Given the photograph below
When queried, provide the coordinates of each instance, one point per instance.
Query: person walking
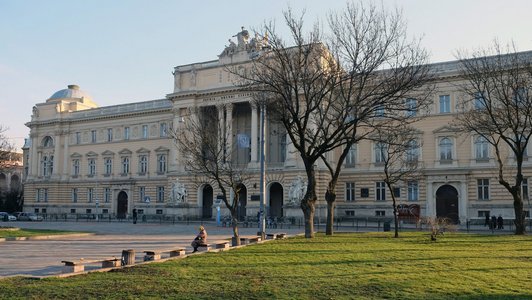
(487, 222)
(493, 224)
(135, 215)
(200, 240)
(500, 222)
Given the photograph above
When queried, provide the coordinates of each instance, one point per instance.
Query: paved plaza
(43, 257)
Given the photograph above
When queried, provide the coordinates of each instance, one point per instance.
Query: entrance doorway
(447, 203)
(276, 200)
(121, 208)
(242, 202)
(206, 212)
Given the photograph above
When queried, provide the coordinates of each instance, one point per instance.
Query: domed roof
(72, 91)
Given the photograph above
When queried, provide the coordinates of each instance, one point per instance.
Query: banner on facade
(243, 140)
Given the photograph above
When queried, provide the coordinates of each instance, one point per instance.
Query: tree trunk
(234, 223)
(395, 217)
(308, 211)
(520, 226)
(330, 197)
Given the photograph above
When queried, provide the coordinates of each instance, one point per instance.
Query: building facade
(83, 158)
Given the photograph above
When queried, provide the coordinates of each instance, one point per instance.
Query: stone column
(57, 149)
(173, 164)
(33, 163)
(65, 158)
(463, 201)
(430, 202)
(229, 128)
(254, 133)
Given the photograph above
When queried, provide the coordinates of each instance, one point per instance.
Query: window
(379, 111)
(349, 191)
(42, 195)
(350, 213)
(445, 104)
(78, 138)
(160, 194)
(412, 151)
(479, 101)
(380, 213)
(109, 134)
(90, 194)
(411, 107)
(93, 136)
(483, 187)
(524, 188)
(158, 211)
(446, 149)
(126, 133)
(75, 167)
(161, 163)
(413, 191)
(88, 211)
(483, 213)
(48, 142)
(143, 164)
(521, 96)
(74, 194)
(92, 166)
(142, 193)
(47, 165)
(105, 211)
(125, 165)
(380, 191)
(144, 131)
(397, 192)
(72, 210)
(481, 148)
(380, 152)
(163, 130)
(106, 195)
(108, 164)
(364, 193)
(350, 159)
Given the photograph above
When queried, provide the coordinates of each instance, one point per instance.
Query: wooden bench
(74, 266)
(280, 235)
(156, 254)
(222, 245)
(245, 240)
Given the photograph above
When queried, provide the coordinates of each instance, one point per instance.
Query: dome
(72, 91)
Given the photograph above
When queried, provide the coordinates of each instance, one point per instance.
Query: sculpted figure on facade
(297, 191)
(178, 193)
(229, 50)
(242, 38)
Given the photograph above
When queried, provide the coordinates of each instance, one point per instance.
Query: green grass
(345, 266)
(5, 233)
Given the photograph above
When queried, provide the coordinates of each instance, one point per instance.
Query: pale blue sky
(124, 51)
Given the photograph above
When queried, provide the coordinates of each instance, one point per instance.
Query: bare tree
(207, 155)
(329, 96)
(398, 150)
(6, 151)
(498, 109)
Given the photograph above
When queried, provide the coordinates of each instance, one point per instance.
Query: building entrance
(276, 200)
(206, 212)
(121, 207)
(447, 203)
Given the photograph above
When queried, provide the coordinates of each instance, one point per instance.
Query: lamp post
(262, 173)
(97, 204)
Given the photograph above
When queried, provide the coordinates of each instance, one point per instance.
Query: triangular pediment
(75, 155)
(91, 154)
(445, 129)
(162, 149)
(143, 150)
(125, 152)
(108, 153)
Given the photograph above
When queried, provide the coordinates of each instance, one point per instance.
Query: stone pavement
(43, 257)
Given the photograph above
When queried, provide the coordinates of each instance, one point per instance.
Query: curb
(44, 237)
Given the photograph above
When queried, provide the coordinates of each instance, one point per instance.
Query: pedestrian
(135, 215)
(200, 240)
(493, 224)
(487, 222)
(500, 222)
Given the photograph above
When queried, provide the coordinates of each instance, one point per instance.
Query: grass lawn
(345, 266)
(7, 232)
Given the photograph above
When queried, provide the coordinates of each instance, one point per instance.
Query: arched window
(47, 142)
(446, 149)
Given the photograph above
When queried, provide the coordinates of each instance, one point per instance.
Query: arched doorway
(276, 200)
(121, 207)
(206, 212)
(447, 203)
(15, 183)
(242, 202)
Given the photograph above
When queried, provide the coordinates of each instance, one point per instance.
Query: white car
(9, 216)
(26, 216)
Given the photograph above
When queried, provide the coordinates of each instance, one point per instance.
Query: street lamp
(97, 204)
(262, 172)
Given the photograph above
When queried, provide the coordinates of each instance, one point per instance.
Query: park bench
(271, 236)
(221, 245)
(74, 266)
(156, 254)
(245, 240)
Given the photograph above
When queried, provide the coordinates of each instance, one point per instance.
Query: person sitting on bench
(200, 240)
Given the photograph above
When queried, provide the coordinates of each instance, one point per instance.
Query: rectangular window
(364, 193)
(126, 133)
(413, 191)
(75, 167)
(161, 163)
(445, 104)
(108, 165)
(144, 131)
(125, 165)
(380, 150)
(379, 111)
(380, 191)
(143, 164)
(524, 187)
(350, 213)
(72, 210)
(483, 213)
(160, 194)
(350, 159)
(90, 194)
(88, 211)
(74, 195)
(92, 166)
(142, 193)
(483, 187)
(349, 191)
(109, 134)
(397, 192)
(479, 102)
(481, 148)
(93, 136)
(380, 213)
(411, 107)
(158, 211)
(78, 138)
(106, 195)
(163, 130)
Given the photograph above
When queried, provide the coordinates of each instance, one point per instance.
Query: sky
(124, 51)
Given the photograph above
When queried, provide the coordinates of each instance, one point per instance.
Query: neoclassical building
(85, 158)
